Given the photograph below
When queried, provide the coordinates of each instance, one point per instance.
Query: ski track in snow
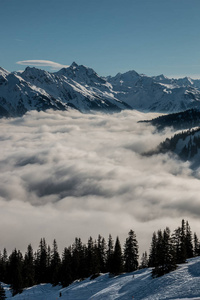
(182, 284)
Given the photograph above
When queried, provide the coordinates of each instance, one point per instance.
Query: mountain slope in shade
(182, 120)
(183, 283)
(185, 145)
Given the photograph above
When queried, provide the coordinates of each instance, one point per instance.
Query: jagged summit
(82, 88)
(81, 74)
(74, 65)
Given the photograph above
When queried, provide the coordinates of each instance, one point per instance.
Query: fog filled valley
(67, 175)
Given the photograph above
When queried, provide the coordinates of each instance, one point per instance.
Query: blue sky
(110, 36)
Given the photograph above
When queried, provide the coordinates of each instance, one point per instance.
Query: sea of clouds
(66, 175)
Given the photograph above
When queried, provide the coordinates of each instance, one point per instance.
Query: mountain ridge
(81, 88)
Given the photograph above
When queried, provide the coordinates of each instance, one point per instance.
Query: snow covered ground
(184, 284)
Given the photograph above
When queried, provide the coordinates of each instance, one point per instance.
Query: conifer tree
(90, 257)
(131, 252)
(152, 255)
(55, 264)
(4, 267)
(196, 245)
(66, 267)
(117, 261)
(28, 268)
(109, 254)
(183, 253)
(101, 252)
(15, 272)
(165, 254)
(188, 241)
(42, 262)
(78, 257)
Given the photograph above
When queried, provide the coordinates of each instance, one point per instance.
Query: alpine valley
(80, 88)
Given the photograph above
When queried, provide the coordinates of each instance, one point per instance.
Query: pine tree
(188, 241)
(29, 268)
(165, 254)
(178, 239)
(15, 272)
(183, 253)
(152, 255)
(117, 261)
(90, 257)
(196, 245)
(131, 253)
(78, 257)
(66, 267)
(41, 263)
(2, 293)
(55, 264)
(4, 277)
(101, 252)
(109, 254)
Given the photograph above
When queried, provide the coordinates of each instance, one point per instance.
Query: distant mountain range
(81, 88)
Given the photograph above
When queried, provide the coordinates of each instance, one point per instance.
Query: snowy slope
(77, 86)
(17, 96)
(83, 89)
(158, 94)
(183, 283)
(185, 145)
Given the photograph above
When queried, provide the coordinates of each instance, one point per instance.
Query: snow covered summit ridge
(81, 88)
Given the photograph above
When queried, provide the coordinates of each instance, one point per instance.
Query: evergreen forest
(79, 260)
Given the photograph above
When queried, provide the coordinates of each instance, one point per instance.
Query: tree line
(81, 260)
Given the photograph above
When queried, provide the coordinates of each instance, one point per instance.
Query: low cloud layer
(66, 174)
(42, 63)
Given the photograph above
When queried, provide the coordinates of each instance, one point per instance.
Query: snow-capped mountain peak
(3, 72)
(82, 88)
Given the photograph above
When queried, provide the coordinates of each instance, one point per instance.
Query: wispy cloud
(42, 63)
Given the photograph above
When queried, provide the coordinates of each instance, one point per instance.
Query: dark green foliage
(181, 120)
(41, 263)
(55, 265)
(66, 267)
(196, 245)
(28, 271)
(170, 144)
(165, 254)
(179, 242)
(152, 255)
(15, 272)
(188, 241)
(2, 293)
(109, 254)
(117, 260)
(4, 267)
(80, 261)
(131, 253)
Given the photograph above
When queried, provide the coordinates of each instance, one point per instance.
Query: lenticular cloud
(66, 174)
(42, 63)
